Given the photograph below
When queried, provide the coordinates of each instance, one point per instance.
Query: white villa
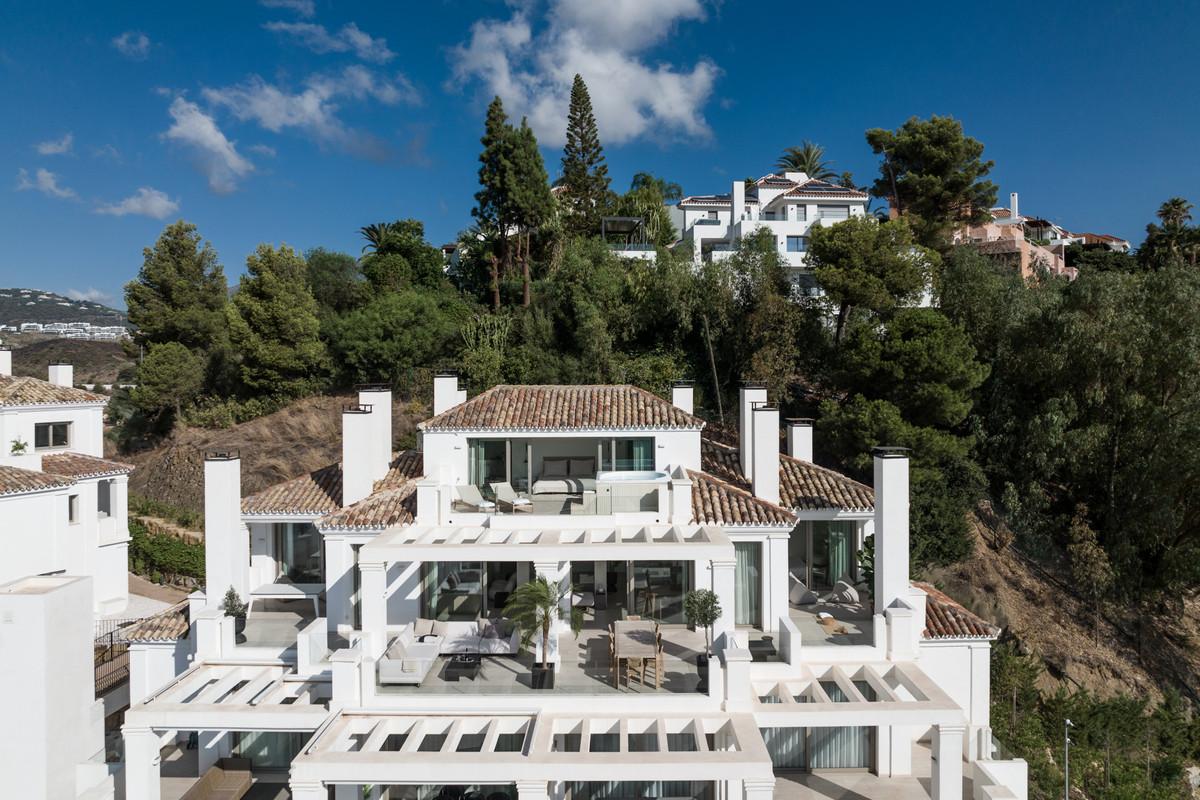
(788, 205)
(376, 660)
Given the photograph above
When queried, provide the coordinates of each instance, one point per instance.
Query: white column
(141, 764)
(208, 750)
(533, 790)
(306, 790)
(893, 750)
(748, 395)
(946, 770)
(681, 497)
(682, 396)
(800, 438)
(374, 606)
(775, 580)
(723, 587)
(347, 791)
(379, 398)
(6, 361)
(979, 712)
(339, 583)
(758, 788)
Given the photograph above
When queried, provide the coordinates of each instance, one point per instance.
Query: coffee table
(462, 665)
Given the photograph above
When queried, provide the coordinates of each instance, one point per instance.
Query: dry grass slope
(94, 362)
(302, 437)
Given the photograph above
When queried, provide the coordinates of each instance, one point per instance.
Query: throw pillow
(422, 627)
(440, 629)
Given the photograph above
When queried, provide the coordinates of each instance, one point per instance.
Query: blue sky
(299, 121)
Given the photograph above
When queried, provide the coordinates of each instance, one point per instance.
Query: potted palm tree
(702, 608)
(534, 607)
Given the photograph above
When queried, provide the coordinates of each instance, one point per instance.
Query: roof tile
(716, 502)
(803, 486)
(165, 626)
(14, 480)
(77, 465)
(320, 491)
(36, 392)
(947, 619)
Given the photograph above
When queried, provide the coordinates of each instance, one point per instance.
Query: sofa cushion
(440, 629)
(422, 626)
(397, 650)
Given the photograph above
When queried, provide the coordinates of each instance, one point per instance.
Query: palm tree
(535, 606)
(1175, 212)
(808, 158)
(668, 189)
(375, 233)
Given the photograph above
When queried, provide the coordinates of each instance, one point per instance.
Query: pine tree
(274, 328)
(584, 173)
(530, 201)
(492, 207)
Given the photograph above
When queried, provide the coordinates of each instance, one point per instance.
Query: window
(51, 434)
(104, 498)
(833, 212)
(73, 509)
(797, 244)
(298, 552)
(634, 454)
(488, 461)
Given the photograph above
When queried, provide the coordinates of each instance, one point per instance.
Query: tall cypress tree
(584, 173)
(492, 207)
(530, 200)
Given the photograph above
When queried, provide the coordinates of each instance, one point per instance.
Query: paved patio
(851, 625)
(178, 774)
(832, 785)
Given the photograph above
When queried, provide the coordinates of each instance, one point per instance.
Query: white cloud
(146, 202)
(45, 182)
(532, 70)
(90, 295)
(314, 110)
(349, 39)
(56, 147)
(107, 151)
(218, 158)
(304, 8)
(132, 44)
(262, 150)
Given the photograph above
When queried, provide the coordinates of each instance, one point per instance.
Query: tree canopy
(585, 178)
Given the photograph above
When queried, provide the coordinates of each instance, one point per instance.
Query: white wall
(87, 426)
(49, 724)
(962, 668)
(33, 533)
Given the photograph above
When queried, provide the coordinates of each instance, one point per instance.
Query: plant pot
(239, 629)
(702, 670)
(543, 677)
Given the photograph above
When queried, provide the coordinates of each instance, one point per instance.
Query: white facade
(381, 705)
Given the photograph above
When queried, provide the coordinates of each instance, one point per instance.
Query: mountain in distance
(34, 305)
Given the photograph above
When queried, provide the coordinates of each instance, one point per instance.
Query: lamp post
(1067, 759)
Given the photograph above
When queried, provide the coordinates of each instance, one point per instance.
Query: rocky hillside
(302, 437)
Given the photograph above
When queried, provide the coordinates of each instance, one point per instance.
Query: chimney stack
(446, 394)
(891, 526)
(738, 204)
(379, 397)
(62, 374)
(1013, 212)
(748, 395)
(765, 455)
(683, 396)
(800, 438)
(6, 361)
(358, 453)
(226, 544)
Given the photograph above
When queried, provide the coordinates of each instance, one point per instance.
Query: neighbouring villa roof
(803, 486)
(718, 502)
(320, 491)
(77, 465)
(36, 392)
(14, 480)
(810, 188)
(545, 408)
(945, 618)
(165, 626)
(382, 509)
(820, 189)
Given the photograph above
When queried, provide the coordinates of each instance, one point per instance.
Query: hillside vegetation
(32, 305)
(95, 362)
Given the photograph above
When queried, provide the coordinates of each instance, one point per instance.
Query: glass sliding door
(298, 552)
(833, 553)
(452, 590)
(840, 748)
(658, 589)
(488, 461)
(747, 584)
(788, 747)
(634, 454)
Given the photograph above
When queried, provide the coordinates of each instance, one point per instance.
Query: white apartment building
(63, 507)
(787, 204)
(376, 659)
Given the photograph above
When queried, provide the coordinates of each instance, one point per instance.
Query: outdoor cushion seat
(801, 595)
(843, 593)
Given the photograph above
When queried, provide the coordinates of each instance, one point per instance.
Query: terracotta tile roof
(619, 407)
(947, 619)
(380, 510)
(320, 491)
(35, 392)
(14, 480)
(803, 486)
(165, 626)
(716, 502)
(77, 465)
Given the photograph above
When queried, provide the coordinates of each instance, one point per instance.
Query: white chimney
(446, 394)
(891, 526)
(379, 397)
(62, 375)
(358, 453)
(798, 177)
(6, 361)
(1013, 212)
(800, 438)
(765, 483)
(226, 543)
(683, 396)
(738, 197)
(748, 395)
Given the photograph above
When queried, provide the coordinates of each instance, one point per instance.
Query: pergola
(531, 750)
(217, 698)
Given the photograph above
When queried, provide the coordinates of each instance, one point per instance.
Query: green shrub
(147, 507)
(163, 556)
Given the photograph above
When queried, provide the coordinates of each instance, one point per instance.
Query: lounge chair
(509, 500)
(470, 496)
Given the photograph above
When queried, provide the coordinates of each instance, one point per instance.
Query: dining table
(634, 639)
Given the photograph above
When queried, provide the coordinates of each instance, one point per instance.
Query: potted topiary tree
(534, 607)
(234, 607)
(702, 608)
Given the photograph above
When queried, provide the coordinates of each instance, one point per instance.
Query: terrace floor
(847, 625)
(584, 668)
(178, 774)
